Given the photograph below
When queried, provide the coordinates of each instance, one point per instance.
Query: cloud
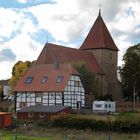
(24, 30)
(24, 47)
(7, 55)
(5, 69)
(22, 1)
(11, 21)
(65, 24)
(16, 28)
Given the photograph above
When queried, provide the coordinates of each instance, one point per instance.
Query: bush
(83, 123)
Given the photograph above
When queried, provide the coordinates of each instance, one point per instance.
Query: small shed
(40, 112)
(5, 120)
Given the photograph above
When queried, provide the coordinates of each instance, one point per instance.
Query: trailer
(104, 107)
(5, 120)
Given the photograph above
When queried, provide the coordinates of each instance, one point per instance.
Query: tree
(18, 70)
(130, 71)
(1, 92)
(106, 97)
(87, 78)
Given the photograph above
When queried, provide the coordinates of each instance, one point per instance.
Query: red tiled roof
(99, 37)
(38, 71)
(52, 53)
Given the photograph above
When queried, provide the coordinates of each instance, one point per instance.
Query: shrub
(83, 123)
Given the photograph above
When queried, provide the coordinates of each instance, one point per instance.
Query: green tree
(130, 71)
(87, 78)
(18, 70)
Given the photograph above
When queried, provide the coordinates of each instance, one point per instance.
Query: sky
(27, 25)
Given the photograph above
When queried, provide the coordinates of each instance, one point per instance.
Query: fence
(127, 106)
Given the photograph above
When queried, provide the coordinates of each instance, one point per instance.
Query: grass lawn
(9, 136)
(57, 134)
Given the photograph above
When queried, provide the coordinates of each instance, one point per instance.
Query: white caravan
(104, 107)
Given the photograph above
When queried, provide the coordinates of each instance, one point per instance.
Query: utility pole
(65, 135)
(134, 92)
(15, 132)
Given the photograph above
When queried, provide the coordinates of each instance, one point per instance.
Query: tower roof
(99, 37)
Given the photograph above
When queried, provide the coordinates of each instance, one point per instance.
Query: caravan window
(98, 105)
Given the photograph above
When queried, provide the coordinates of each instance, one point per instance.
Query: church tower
(100, 43)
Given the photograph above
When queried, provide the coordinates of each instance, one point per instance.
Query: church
(53, 81)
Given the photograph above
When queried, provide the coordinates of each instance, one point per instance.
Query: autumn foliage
(17, 72)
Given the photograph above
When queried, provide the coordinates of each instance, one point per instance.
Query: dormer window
(44, 79)
(59, 79)
(29, 80)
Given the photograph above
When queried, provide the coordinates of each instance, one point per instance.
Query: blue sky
(26, 25)
(23, 3)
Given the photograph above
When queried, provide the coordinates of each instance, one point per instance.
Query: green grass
(9, 136)
(74, 135)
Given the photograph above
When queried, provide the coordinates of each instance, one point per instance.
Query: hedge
(77, 122)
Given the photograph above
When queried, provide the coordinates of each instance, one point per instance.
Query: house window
(38, 104)
(30, 115)
(59, 79)
(39, 94)
(29, 80)
(76, 83)
(44, 79)
(58, 104)
(41, 115)
(22, 104)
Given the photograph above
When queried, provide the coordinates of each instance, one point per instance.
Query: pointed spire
(99, 12)
(99, 37)
(100, 7)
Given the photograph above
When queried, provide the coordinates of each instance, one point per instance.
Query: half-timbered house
(50, 85)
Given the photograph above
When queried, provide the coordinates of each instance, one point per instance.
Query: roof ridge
(65, 47)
